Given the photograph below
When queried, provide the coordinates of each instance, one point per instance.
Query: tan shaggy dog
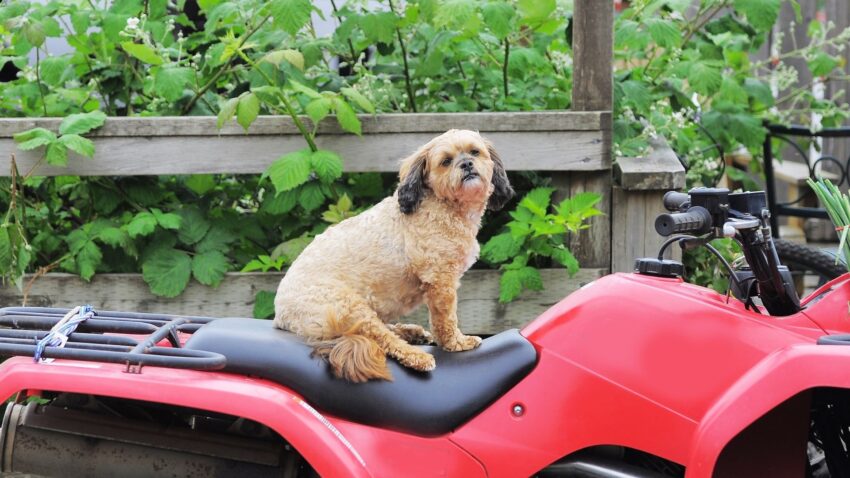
(358, 276)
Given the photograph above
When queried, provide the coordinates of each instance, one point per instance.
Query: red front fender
(773, 381)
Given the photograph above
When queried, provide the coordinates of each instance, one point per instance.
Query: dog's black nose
(466, 164)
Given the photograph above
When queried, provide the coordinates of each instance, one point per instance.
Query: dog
(345, 290)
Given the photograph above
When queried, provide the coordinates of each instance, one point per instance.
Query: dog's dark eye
(474, 152)
(446, 162)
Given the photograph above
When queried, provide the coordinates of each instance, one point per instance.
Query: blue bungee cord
(58, 335)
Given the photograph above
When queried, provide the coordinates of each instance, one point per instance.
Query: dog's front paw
(419, 360)
(462, 343)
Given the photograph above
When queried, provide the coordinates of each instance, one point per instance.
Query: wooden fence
(573, 146)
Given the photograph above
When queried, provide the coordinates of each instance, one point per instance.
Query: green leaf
(280, 203)
(114, 236)
(498, 16)
(290, 170)
(228, 109)
(500, 248)
(78, 144)
(142, 224)
(761, 14)
(33, 138)
(346, 116)
(247, 111)
(663, 32)
(759, 91)
(33, 32)
(293, 57)
(537, 200)
(566, 258)
(167, 271)
(302, 88)
(636, 93)
(536, 10)
(167, 220)
(53, 69)
(57, 154)
(142, 52)
(358, 99)
(731, 91)
(264, 304)
(200, 184)
(822, 64)
(291, 15)
(82, 123)
(87, 259)
(217, 239)
(311, 196)
(379, 27)
(291, 249)
(209, 268)
(193, 225)
(510, 286)
(318, 109)
(704, 79)
(327, 165)
(169, 81)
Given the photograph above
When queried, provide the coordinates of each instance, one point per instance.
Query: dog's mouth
(470, 175)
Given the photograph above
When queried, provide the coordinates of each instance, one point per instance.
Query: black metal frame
(22, 327)
(785, 133)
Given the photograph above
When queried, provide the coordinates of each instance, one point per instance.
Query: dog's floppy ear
(411, 188)
(502, 190)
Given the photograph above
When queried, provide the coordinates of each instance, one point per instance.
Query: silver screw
(518, 410)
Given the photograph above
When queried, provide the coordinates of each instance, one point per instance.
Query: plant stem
(38, 80)
(505, 67)
(286, 104)
(410, 99)
(350, 45)
(223, 68)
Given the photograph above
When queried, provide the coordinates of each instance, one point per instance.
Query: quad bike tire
(812, 259)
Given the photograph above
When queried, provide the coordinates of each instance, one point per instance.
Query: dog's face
(459, 166)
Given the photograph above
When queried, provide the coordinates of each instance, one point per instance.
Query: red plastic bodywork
(653, 364)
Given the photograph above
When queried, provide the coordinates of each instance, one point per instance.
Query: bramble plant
(535, 233)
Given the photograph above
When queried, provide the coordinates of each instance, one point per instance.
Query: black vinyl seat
(427, 404)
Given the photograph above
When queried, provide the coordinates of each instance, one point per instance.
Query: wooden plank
(660, 170)
(479, 310)
(593, 47)
(377, 124)
(592, 246)
(152, 155)
(633, 228)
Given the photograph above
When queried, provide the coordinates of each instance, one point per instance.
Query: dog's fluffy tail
(352, 356)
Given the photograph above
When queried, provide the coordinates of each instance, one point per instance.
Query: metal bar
(196, 359)
(75, 337)
(797, 130)
(808, 212)
(166, 331)
(770, 186)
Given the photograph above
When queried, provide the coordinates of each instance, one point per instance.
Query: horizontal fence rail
(479, 310)
(540, 141)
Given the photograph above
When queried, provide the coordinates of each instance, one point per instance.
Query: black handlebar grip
(673, 200)
(696, 220)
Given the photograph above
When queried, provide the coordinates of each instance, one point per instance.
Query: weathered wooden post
(640, 186)
(593, 50)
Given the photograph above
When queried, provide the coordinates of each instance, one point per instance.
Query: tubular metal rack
(22, 327)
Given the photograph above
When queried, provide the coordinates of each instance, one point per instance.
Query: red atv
(635, 375)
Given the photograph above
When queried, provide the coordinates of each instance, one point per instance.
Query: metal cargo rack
(109, 336)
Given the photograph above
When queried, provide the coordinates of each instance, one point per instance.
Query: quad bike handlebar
(705, 214)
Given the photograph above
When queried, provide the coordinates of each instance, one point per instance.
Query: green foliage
(536, 233)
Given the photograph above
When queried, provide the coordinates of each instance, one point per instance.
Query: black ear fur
(502, 190)
(412, 190)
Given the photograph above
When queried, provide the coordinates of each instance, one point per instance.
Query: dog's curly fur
(412, 247)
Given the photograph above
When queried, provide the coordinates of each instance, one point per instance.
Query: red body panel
(653, 364)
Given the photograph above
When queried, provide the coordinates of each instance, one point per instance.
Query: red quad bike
(635, 375)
